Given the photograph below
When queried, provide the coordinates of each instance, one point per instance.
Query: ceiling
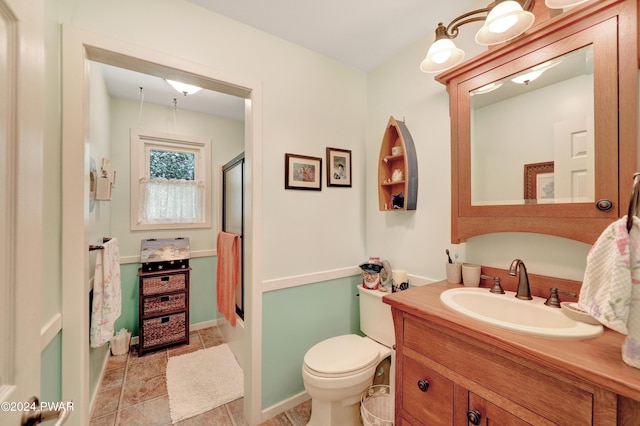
(123, 83)
(359, 33)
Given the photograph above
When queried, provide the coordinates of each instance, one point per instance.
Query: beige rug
(203, 380)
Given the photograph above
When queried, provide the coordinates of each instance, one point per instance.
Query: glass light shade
(536, 71)
(527, 77)
(185, 89)
(442, 54)
(505, 21)
(487, 88)
(559, 4)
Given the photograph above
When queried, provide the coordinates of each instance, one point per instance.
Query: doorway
(79, 47)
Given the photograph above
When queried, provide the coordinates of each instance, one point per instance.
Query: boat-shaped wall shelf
(397, 169)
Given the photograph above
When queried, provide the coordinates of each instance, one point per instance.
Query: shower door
(233, 214)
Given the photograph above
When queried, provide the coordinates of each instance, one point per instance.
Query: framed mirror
(540, 140)
(532, 134)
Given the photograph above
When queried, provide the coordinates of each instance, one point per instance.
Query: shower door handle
(39, 413)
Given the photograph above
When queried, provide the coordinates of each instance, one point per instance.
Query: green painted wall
(202, 297)
(51, 370)
(295, 319)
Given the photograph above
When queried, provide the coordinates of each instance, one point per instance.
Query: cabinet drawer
(509, 376)
(163, 283)
(164, 303)
(433, 406)
(164, 330)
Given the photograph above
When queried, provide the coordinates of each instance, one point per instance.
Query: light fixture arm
(451, 31)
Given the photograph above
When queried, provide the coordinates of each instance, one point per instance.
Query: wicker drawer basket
(164, 330)
(165, 303)
(163, 284)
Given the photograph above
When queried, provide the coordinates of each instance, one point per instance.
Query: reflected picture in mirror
(543, 114)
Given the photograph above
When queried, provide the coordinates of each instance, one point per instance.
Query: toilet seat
(341, 356)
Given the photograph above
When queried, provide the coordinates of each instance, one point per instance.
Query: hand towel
(228, 274)
(611, 287)
(107, 299)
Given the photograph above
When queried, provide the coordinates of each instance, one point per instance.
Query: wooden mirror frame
(606, 24)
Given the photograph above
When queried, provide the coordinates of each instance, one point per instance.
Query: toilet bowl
(338, 370)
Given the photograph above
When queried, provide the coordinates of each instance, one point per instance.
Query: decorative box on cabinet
(163, 309)
(397, 169)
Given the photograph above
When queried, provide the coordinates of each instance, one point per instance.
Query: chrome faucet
(523, 280)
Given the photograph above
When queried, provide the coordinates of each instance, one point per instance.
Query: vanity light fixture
(487, 88)
(503, 21)
(535, 72)
(560, 4)
(185, 89)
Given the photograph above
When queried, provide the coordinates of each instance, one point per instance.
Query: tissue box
(164, 254)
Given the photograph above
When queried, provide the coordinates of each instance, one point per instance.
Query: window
(170, 181)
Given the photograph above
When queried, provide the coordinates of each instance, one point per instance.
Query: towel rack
(94, 247)
(634, 201)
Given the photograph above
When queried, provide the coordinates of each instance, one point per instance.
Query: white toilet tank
(375, 317)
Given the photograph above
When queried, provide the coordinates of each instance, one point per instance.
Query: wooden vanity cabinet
(443, 377)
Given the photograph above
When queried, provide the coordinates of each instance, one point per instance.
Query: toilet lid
(342, 354)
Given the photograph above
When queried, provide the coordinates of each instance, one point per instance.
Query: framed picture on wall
(539, 183)
(302, 172)
(338, 167)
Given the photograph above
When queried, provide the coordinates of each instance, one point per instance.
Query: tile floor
(134, 392)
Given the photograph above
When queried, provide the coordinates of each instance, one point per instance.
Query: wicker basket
(163, 284)
(171, 302)
(164, 330)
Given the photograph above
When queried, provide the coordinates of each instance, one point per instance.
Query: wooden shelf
(397, 137)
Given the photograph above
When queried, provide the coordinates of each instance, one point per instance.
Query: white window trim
(141, 140)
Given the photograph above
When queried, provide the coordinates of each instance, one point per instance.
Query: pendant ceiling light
(185, 89)
(503, 21)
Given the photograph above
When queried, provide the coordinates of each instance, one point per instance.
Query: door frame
(79, 47)
(22, 130)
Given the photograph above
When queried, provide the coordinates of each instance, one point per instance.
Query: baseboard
(94, 398)
(287, 404)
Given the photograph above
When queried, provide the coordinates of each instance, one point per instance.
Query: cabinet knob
(423, 385)
(604, 205)
(474, 417)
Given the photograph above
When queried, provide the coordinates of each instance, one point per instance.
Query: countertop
(597, 360)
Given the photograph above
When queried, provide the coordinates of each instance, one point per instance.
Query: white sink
(531, 317)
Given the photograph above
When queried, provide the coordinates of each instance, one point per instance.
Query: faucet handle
(553, 300)
(497, 287)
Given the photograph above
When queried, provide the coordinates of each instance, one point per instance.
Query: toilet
(337, 371)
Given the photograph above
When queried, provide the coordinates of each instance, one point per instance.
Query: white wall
(309, 103)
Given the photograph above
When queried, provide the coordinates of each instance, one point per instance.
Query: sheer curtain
(170, 201)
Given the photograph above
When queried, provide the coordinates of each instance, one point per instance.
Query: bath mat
(203, 380)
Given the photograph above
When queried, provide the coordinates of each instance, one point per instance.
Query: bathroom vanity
(451, 370)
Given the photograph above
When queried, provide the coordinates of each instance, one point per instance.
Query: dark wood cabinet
(163, 309)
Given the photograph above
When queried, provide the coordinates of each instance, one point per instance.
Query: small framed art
(538, 183)
(338, 167)
(302, 172)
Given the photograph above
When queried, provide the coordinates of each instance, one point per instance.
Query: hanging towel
(611, 288)
(107, 299)
(228, 274)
